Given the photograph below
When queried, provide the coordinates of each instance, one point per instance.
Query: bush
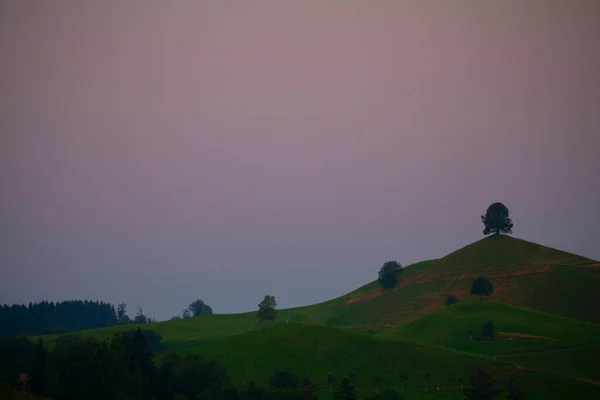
(452, 299)
(488, 330)
(282, 379)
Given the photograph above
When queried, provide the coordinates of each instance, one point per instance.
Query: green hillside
(406, 337)
(518, 328)
(523, 274)
(317, 351)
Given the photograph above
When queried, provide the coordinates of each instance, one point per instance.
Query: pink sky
(155, 152)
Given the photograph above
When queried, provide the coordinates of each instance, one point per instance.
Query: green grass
(316, 351)
(413, 333)
(523, 273)
(452, 326)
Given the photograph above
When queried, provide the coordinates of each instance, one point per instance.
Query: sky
(156, 152)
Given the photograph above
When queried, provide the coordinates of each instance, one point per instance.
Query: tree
(283, 379)
(481, 387)
(186, 314)
(140, 318)
(38, 375)
(488, 330)
(389, 394)
(388, 274)
(514, 390)
(481, 287)
(345, 391)
(267, 309)
(496, 220)
(331, 381)
(309, 389)
(199, 307)
(121, 311)
(451, 299)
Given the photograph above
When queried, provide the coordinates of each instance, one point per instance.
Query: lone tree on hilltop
(267, 309)
(496, 220)
(388, 274)
(199, 307)
(481, 287)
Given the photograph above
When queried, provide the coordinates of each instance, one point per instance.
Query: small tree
(388, 274)
(452, 299)
(267, 310)
(331, 381)
(186, 314)
(121, 312)
(481, 387)
(283, 379)
(481, 287)
(345, 391)
(488, 330)
(514, 390)
(140, 318)
(496, 220)
(309, 389)
(199, 307)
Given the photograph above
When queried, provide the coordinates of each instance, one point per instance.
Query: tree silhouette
(514, 390)
(267, 309)
(345, 391)
(481, 287)
(199, 307)
(388, 274)
(481, 387)
(496, 220)
(488, 330)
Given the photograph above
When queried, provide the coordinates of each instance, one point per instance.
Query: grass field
(520, 330)
(406, 337)
(317, 351)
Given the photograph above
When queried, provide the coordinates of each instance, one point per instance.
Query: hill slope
(523, 274)
(317, 351)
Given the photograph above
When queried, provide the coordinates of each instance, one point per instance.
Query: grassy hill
(518, 328)
(532, 339)
(523, 274)
(417, 369)
(542, 300)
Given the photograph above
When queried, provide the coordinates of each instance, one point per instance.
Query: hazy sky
(155, 152)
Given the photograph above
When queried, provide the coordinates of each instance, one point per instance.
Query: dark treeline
(123, 367)
(50, 317)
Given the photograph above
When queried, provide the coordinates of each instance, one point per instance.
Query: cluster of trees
(195, 309)
(50, 317)
(483, 387)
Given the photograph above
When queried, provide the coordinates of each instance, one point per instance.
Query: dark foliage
(496, 220)
(267, 310)
(481, 387)
(514, 390)
(389, 394)
(199, 307)
(345, 390)
(481, 287)
(283, 379)
(452, 299)
(488, 330)
(388, 274)
(50, 317)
